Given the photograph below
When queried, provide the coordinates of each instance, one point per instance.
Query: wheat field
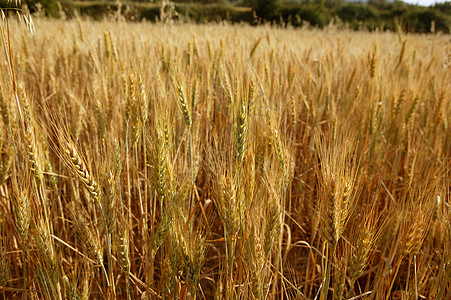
(217, 161)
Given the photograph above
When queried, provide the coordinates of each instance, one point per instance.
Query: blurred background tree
(267, 9)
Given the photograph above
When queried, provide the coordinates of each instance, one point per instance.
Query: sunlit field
(180, 161)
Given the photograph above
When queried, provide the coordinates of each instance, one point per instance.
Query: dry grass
(200, 161)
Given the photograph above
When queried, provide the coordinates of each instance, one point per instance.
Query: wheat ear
(79, 168)
(183, 103)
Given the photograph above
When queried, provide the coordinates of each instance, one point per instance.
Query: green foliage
(421, 20)
(359, 12)
(358, 15)
(444, 8)
(314, 14)
(202, 13)
(267, 9)
(48, 7)
(366, 16)
(376, 14)
(215, 2)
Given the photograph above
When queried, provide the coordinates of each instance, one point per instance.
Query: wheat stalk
(87, 237)
(109, 202)
(4, 264)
